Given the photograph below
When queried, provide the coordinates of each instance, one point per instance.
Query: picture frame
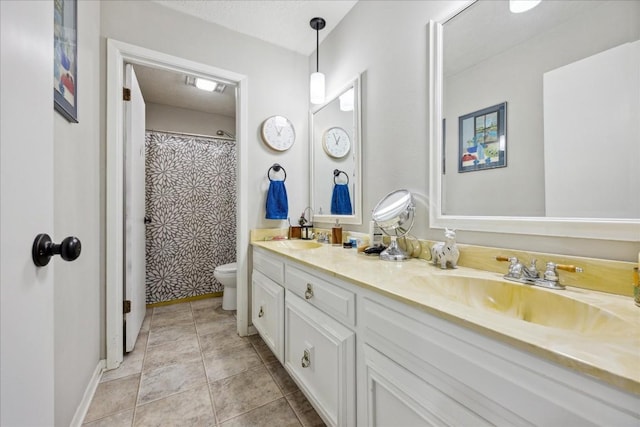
(65, 62)
(483, 139)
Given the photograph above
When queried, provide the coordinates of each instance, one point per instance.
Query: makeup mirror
(394, 214)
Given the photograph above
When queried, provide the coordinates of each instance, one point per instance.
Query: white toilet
(226, 275)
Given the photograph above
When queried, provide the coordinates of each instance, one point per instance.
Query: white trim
(117, 54)
(587, 228)
(89, 392)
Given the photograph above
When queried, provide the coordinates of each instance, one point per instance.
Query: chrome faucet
(531, 276)
(323, 237)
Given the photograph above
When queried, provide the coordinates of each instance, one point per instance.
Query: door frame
(119, 53)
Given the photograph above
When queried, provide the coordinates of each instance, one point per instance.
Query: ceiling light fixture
(205, 84)
(316, 81)
(519, 6)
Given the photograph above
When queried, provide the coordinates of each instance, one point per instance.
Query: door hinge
(126, 94)
(126, 306)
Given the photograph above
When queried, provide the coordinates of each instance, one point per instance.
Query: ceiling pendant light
(316, 81)
(519, 6)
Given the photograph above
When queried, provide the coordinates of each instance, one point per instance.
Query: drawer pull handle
(306, 359)
(261, 312)
(309, 293)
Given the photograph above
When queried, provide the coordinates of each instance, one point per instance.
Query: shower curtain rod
(192, 134)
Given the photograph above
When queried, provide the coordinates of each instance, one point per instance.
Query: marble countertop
(605, 345)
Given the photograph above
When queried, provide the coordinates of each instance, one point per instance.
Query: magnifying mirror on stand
(394, 214)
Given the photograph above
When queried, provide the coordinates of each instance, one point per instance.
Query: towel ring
(336, 173)
(277, 168)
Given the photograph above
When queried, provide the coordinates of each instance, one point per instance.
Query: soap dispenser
(336, 234)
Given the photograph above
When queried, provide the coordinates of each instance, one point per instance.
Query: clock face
(336, 142)
(278, 133)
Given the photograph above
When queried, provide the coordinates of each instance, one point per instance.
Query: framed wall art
(65, 62)
(483, 139)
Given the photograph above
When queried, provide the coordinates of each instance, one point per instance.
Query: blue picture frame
(483, 139)
(65, 59)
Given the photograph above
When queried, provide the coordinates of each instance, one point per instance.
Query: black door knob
(43, 249)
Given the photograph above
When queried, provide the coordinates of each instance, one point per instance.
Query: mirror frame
(356, 218)
(589, 228)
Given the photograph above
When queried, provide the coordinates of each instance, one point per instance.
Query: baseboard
(83, 407)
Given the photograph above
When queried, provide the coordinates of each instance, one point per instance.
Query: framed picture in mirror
(482, 139)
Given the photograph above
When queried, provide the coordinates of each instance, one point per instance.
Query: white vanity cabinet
(267, 312)
(366, 359)
(320, 356)
(427, 371)
(307, 321)
(267, 301)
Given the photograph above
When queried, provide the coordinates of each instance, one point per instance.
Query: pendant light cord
(317, 50)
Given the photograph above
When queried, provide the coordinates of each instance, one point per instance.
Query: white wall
(592, 127)
(277, 84)
(174, 119)
(78, 211)
(388, 42)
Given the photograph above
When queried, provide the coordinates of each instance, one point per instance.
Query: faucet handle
(551, 273)
(570, 268)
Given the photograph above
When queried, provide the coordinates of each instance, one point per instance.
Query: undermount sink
(295, 244)
(524, 302)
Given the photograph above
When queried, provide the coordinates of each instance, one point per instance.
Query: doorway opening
(118, 54)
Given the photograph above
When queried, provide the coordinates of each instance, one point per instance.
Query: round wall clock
(336, 142)
(278, 133)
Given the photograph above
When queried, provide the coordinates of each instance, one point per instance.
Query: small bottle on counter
(336, 234)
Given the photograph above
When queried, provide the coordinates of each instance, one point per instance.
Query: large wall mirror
(535, 119)
(336, 157)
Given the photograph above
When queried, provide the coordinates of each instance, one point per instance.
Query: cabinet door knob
(43, 249)
(261, 312)
(306, 358)
(309, 292)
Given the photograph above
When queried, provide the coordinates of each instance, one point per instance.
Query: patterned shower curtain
(191, 201)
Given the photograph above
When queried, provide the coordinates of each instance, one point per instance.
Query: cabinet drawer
(271, 267)
(330, 298)
(320, 356)
(267, 312)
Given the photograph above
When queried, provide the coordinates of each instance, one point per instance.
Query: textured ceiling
(283, 22)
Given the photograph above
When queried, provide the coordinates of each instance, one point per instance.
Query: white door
(26, 209)
(134, 255)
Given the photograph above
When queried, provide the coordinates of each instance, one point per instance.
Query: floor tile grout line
(204, 366)
(282, 389)
(144, 357)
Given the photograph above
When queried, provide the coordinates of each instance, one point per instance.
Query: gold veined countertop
(592, 332)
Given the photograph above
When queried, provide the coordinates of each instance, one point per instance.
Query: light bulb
(207, 85)
(346, 101)
(316, 88)
(519, 6)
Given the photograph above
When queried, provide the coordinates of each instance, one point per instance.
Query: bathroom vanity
(379, 343)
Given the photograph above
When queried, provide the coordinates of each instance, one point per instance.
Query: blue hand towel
(277, 203)
(340, 200)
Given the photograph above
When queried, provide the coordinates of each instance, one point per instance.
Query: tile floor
(190, 368)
